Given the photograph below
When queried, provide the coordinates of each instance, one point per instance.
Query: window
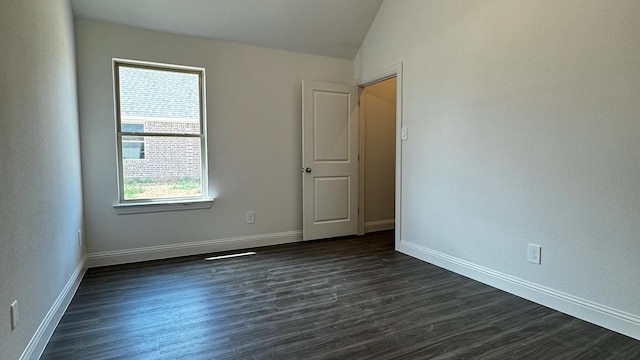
(161, 132)
(133, 146)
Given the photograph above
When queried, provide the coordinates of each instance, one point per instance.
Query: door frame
(394, 70)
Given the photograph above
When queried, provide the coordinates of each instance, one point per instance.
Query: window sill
(150, 207)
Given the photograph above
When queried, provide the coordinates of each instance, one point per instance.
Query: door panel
(331, 123)
(330, 158)
(331, 197)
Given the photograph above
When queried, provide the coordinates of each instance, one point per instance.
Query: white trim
(161, 206)
(115, 257)
(144, 119)
(361, 170)
(379, 225)
(383, 74)
(158, 64)
(42, 335)
(605, 316)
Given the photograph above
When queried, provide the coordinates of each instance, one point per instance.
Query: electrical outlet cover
(251, 217)
(533, 253)
(14, 315)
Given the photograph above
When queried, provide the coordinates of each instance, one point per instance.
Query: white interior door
(329, 159)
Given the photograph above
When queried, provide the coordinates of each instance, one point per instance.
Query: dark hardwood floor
(350, 298)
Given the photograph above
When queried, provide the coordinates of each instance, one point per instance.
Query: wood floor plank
(348, 298)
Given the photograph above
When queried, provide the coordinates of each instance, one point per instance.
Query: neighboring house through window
(132, 146)
(161, 133)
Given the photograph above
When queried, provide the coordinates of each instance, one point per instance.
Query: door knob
(308, 170)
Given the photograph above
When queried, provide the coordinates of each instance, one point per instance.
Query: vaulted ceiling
(334, 28)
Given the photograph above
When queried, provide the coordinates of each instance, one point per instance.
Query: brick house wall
(167, 159)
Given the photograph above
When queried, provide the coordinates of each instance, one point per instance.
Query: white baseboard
(39, 341)
(379, 225)
(192, 248)
(607, 317)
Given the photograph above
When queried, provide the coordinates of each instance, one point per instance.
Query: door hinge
(358, 157)
(358, 102)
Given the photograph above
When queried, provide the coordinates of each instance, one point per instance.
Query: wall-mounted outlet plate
(80, 238)
(533, 253)
(14, 315)
(251, 217)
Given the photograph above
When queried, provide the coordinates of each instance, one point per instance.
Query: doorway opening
(391, 72)
(334, 148)
(378, 109)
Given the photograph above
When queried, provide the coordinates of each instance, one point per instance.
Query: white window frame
(125, 206)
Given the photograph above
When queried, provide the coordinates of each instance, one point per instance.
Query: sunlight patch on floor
(230, 255)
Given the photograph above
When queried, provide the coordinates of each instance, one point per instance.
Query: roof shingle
(158, 93)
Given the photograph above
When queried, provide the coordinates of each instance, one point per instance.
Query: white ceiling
(334, 28)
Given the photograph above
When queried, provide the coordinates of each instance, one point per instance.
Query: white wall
(523, 128)
(254, 117)
(40, 184)
(379, 105)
